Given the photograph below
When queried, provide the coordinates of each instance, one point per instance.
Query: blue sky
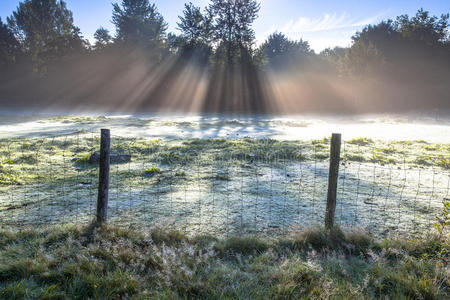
(322, 23)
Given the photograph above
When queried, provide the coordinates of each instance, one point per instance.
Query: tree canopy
(403, 42)
(196, 32)
(423, 28)
(232, 23)
(215, 53)
(195, 26)
(138, 23)
(46, 31)
(102, 38)
(9, 46)
(279, 52)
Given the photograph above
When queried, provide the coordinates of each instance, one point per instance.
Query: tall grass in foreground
(114, 263)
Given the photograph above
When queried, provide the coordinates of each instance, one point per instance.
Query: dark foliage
(46, 31)
(9, 46)
(215, 65)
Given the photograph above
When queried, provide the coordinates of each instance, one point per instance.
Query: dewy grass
(361, 141)
(49, 179)
(27, 154)
(111, 263)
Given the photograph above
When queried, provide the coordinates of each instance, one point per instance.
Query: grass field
(113, 263)
(221, 185)
(220, 209)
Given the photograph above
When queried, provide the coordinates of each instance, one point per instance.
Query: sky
(322, 23)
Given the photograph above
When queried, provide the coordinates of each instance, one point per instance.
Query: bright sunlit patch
(387, 128)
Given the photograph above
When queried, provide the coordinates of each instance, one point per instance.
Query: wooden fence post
(335, 156)
(103, 180)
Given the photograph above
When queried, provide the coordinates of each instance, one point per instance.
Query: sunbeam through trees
(215, 64)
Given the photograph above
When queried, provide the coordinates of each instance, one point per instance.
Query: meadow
(236, 184)
(236, 213)
(227, 178)
(84, 262)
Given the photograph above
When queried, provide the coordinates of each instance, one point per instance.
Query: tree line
(215, 65)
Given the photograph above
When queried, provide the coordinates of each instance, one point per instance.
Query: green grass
(152, 171)
(444, 162)
(24, 157)
(115, 263)
(223, 177)
(361, 141)
(54, 171)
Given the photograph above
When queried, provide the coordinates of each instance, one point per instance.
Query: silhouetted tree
(139, 24)
(174, 42)
(370, 47)
(195, 26)
(235, 83)
(102, 38)
(382, 36)
(232, 23)
(334, 59)
(9, 46)
(423, 28)
(405, 42)
(279, 52)
(387, 65)
(46, 30)
(196, 33)
(364, 59)
(333, 53)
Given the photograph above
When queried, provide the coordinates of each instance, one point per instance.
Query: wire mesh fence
(221, 186)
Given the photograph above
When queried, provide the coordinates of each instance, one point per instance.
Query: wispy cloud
(327, 22)
(331, 27)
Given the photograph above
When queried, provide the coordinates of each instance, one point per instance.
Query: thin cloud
(326, 23)
(326, 31)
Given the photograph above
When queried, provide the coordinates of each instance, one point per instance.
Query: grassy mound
(114, 263)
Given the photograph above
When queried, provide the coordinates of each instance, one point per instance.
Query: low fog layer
(214, 65)
(432, 129)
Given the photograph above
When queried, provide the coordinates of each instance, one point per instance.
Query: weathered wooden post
(103, 180)
(335, 156)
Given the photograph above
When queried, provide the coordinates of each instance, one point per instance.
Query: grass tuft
(242, 245)
(361, 141)
(109, 262)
